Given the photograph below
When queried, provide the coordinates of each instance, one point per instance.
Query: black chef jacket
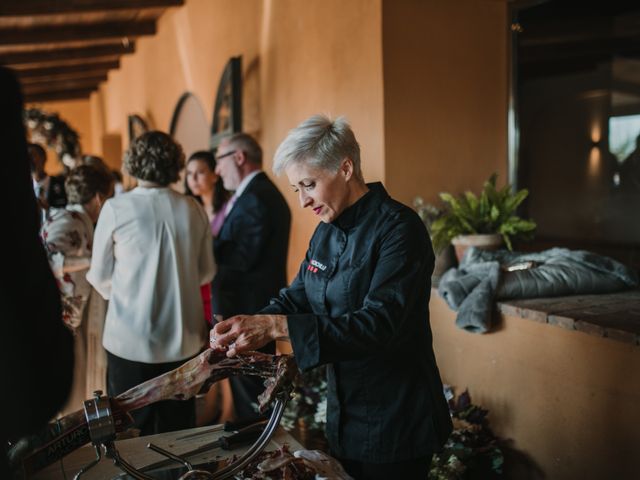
(360, 303)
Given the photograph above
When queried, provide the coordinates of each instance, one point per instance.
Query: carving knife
(227, 427)
(228, 442)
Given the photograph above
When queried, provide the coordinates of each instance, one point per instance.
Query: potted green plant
(487, 221)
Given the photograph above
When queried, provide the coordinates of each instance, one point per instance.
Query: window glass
(578, 107)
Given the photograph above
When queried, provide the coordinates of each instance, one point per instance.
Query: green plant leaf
(512, 202)
(493, 211)
(472, 201)
(447, 198)
(507, 241)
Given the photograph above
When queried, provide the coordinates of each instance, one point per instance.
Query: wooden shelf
(613, 315)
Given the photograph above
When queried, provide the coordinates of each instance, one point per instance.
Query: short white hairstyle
(321, 143)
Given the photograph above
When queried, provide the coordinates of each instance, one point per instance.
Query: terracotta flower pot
(485, 241)
(443, 262)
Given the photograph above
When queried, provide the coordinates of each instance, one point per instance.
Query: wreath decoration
(49, 129)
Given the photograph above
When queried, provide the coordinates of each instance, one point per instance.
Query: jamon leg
(195, 376)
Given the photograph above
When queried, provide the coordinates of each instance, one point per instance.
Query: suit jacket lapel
(237, 206)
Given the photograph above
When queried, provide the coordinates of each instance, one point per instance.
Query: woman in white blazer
(151, 253)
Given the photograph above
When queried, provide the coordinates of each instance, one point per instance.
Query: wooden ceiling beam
(39, 7)
(63, 54)
(73, 94)
(68, 33)
(48, 71)
(72, 84)
(89, 74)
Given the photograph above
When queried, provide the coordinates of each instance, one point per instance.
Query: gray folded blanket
(483, 277)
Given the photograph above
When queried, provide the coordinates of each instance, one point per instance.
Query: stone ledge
(614, 315)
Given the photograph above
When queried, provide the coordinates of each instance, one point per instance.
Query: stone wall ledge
(613, 315)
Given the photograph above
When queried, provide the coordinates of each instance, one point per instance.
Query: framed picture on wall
(227, 111)
(137, 126)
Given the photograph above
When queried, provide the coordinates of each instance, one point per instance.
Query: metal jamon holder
(102, 431)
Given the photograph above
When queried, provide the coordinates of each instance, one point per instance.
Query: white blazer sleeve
(102, 258)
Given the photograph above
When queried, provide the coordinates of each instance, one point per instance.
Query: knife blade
(228, 442)
(227, 427)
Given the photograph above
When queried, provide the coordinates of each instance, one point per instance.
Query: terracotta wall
(445, 95)
(566, 398)
(321, 57)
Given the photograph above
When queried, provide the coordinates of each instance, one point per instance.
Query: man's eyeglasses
(219, 157)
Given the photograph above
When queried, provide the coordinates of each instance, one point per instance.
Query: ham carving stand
(102, 432)
(103, 417)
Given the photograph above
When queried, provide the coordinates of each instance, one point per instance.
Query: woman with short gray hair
(321, 143)
(360, 306)
(151, 253)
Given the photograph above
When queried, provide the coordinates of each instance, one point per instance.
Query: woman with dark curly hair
(67, 234)
(152, 252)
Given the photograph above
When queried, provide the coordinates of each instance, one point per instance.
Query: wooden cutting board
(135, 452)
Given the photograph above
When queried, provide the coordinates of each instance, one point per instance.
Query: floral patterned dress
(67, 234)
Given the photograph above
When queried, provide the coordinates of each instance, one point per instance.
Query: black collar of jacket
(365, 204)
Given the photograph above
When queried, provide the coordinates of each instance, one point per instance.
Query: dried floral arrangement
(308, 404)
(49, 129)
(428, 212)
(472, 450)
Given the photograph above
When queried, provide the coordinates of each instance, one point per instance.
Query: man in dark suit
(251, 248)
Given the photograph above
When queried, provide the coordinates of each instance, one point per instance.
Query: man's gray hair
(321, 143)
(248, 144)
